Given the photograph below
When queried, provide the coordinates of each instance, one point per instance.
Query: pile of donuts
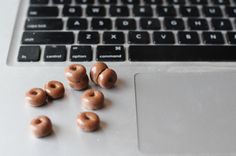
(78, 79)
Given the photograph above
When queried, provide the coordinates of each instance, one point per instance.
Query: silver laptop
(175, 60)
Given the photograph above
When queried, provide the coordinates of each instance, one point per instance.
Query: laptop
(175, 61)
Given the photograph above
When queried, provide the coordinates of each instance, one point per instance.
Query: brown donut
(41, 126)
(36, 97)
(55, 89)
(81, 85)
(96, 70)
(75, 72)
(88, 121)
(107, 78)
(92, 99)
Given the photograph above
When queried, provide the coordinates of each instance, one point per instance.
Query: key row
(178, 2)
(128, 24)
(138, 11)
(133, 37)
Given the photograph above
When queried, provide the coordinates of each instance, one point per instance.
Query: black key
(143, 11)
(163, 38)
(48, 38)
(231, 37)
(81, 53)
(166, 11)
(85, 1)
(86, 37)
(199, 2)
(213, 38)
(29, 54)
(61, 1)
(43, 11)
(39, 1)
(55, 54)
(182, 53)
(174, 23)
(188, 38)
(114, 38)
(96, 11)
(212, 11)
(150, 24)
(72, 11)
(153, 1)
(136, 2)
(126, 24)
(119, 11)
(221, 2)
(221, 24)
(107, 1)
(77, 24)
(189, 11)
(198, 24)
(181, 2)
(43, 24)
(101, 24)
(110, 53)
(139, 37)
(231, 11)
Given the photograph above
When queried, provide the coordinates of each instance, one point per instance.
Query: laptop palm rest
(186, 113)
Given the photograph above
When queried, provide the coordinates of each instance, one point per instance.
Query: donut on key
(88, 121)
(92, 99)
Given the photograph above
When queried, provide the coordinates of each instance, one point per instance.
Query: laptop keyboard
(129, 30)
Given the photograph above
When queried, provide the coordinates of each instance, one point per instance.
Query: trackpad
(186, 113)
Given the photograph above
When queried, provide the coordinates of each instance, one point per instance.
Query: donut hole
(73, 68)
(86, 117)
(92, 94)
(110, 80)
(38, 121)
(52, 86)
(33, 92)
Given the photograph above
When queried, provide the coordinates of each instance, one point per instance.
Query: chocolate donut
(36, 97)
(88, 121)
(92, 99)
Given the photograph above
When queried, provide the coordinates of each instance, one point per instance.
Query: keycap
(189, 11)
(107, 1)
(72, 11)
(126, 24)
(88, 37)
(140, 37)
(61, 1)
(221, 24)
(142, 11)
(212, 11)
(85, 1)
(182, 2)
(39, 1)
(230, 11)
(174, 23)
(81, 53)
(113, 37)
(119, 11)
(101, 24)
(150, 24)
(43, 11)
(55, 54)
(77, 24)
(43, 24)
(198, 24)
(48, 38)
(182, 53)
(199, 2)
(221, 2)
(96, 11)
(188, 38)
(110, 53)
(166, 11)
(231, 37)
(162, 37)
(29, 54)
(131, 2)
(153, 1)
(213, 38)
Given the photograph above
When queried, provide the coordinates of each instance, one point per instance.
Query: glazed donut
(36, 97)
(96, 70)
(107, 78)
(41, 126)
(92, 99)
(83, 84)
(75, 73)
(88, 121)
(55, 89)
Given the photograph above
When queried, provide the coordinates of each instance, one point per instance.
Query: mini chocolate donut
(41, 126)
(92, 99)
(75, 72)
(107, 78)
(81, 85)
(88, 121)
(55, 89)
(36, 97)
(96, 70)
